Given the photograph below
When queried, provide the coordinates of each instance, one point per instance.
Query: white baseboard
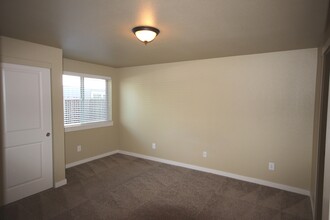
(60, 183)
(221, 173)
(189, 166)
(90, 159)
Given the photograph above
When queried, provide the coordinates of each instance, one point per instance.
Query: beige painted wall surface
(26, 53)
(244, 111)
(94, 141)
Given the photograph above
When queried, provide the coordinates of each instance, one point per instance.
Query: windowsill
(88, 126)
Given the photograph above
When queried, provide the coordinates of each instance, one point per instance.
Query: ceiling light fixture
(146, 34)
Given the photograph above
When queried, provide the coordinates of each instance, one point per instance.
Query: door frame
(325, 56)
(2, 178)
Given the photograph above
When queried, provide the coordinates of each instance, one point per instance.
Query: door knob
(48, 134)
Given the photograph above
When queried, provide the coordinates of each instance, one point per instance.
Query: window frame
(84, 126)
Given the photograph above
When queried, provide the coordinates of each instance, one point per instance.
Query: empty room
(176, 109)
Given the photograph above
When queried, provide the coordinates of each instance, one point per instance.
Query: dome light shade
(145, 34)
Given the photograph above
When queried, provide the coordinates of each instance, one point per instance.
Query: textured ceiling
(99, 31)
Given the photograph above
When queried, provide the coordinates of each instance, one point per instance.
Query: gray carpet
(124, 187)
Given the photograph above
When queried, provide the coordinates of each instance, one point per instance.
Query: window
(87, 101)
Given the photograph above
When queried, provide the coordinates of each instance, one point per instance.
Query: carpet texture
(124, 187)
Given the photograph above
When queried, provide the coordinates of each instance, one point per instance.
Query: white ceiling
(99, 31)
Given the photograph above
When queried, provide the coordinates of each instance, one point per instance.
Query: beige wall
(97, 140)
(244, 111)
(26, 53)
(251, 109)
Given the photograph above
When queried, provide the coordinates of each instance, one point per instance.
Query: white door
(27, 147)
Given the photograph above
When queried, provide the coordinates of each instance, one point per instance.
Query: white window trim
(85, 126)
(86, 75)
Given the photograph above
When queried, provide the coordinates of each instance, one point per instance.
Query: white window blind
(86, 100)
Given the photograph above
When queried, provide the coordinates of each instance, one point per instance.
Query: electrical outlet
(271, 166)
(78, 148)
(204, 153)
(153, 146)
